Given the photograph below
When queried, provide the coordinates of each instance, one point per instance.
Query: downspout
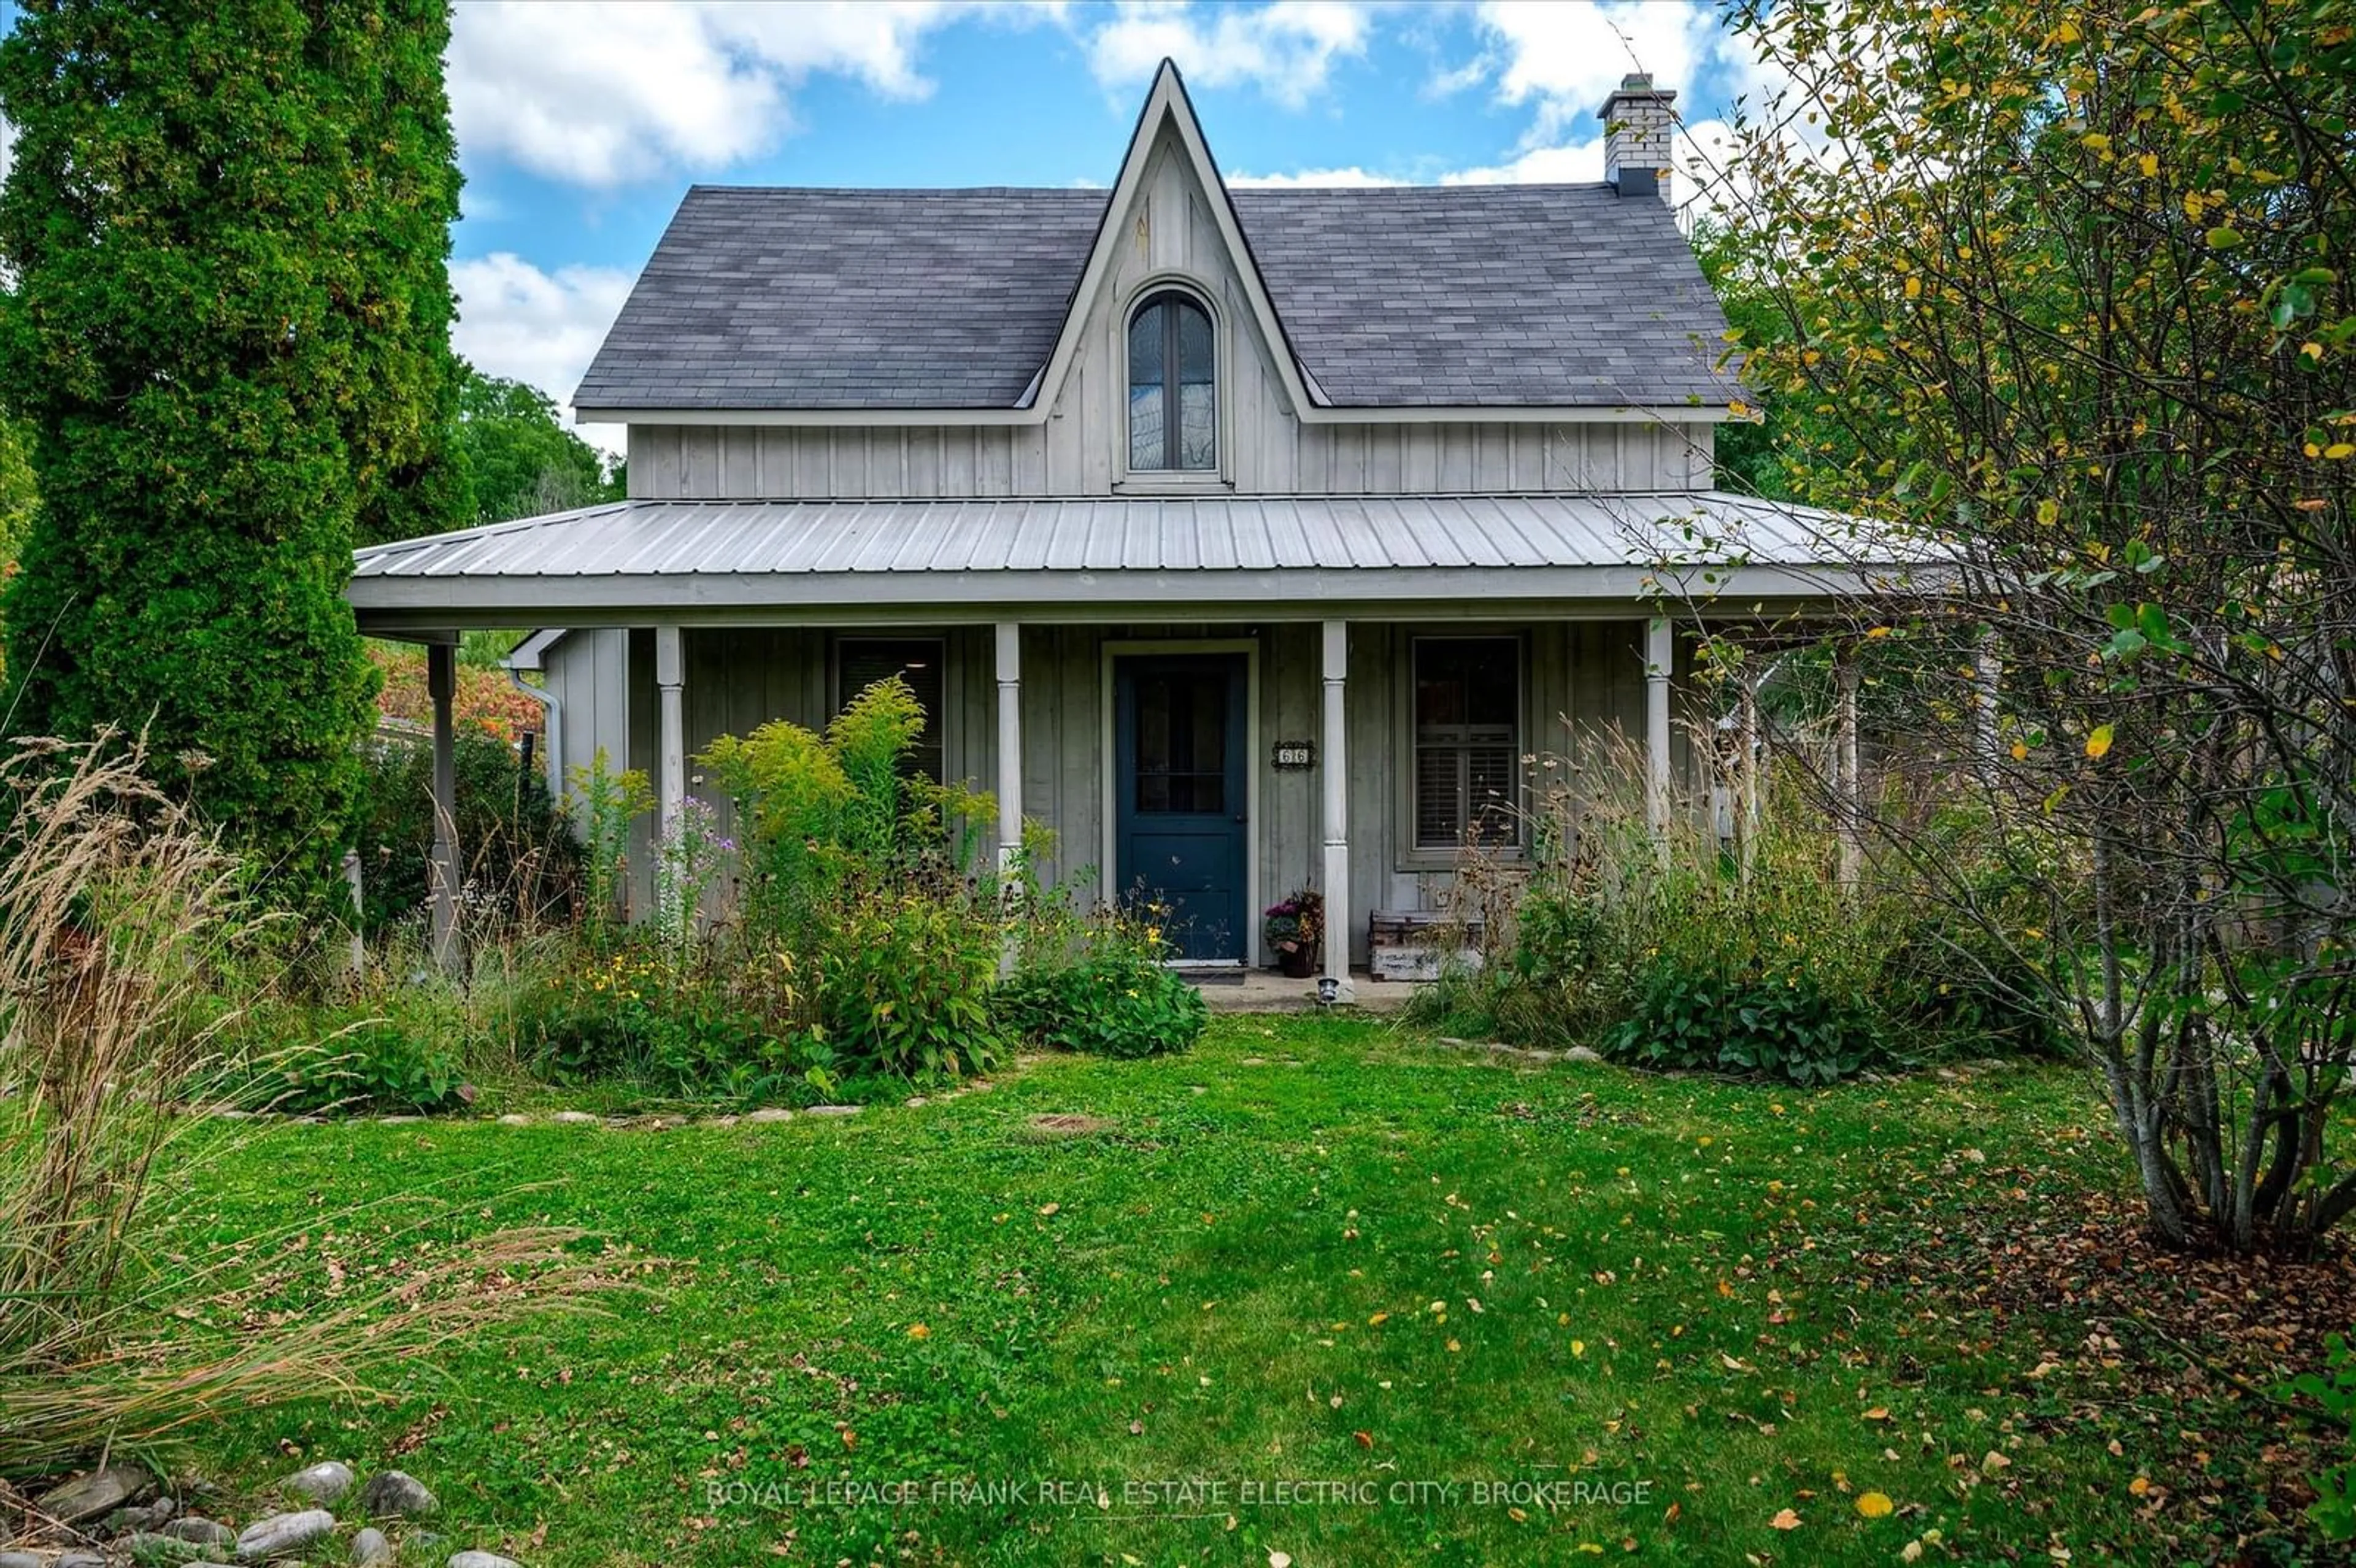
(526, 655)
(553, 712)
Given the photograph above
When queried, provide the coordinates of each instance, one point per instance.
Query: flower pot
(1296, 962)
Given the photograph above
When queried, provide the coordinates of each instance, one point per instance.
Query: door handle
(1239, 819)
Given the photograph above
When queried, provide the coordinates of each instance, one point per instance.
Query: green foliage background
(519, 459)
(229, 350)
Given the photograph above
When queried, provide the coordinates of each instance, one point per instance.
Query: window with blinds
(861, 662)
(1468, 743)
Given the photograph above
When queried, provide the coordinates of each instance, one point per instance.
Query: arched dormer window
(1173, 386)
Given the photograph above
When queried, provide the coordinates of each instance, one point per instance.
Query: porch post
(671, 741)
(1009, 745)
(1660, 651)
(1748, 803)
(1844, 772)
(442, 684)
(1336, 783)
(1988, 665)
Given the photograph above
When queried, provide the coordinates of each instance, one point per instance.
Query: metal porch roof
(712, 555)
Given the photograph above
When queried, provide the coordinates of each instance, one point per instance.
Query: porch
(1210, 703)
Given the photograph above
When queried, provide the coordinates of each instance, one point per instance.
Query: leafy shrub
(1791, 1029)
(1670, 951)
(858, 866)
(1122, 1004)
(1094, 982)
(377, 1064)
(904, 983)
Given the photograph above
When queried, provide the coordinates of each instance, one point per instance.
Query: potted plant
(1293, 927)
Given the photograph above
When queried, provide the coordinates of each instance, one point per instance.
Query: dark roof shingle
(1403, 296)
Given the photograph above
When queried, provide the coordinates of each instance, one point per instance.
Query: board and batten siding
(1167, 237)
(1581, 678)
(774, 463)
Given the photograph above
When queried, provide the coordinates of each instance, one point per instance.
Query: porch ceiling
(973, 558)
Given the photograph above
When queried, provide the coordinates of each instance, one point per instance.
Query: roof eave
(1310, 413)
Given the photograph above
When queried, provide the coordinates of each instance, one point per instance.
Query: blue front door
(1178, 797)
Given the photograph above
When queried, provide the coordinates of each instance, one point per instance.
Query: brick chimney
(1637, 127)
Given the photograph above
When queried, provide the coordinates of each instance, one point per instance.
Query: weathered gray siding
(1281, 457)
(588, 674)
(1579, 676)
(1169, 236)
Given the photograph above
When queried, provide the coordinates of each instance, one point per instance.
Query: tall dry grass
(120, 916)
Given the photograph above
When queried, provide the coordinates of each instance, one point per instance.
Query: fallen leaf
(1875, 1505)
(1784, 1519)
(918, 1331)
(1050, 1208)
(1279, 1559)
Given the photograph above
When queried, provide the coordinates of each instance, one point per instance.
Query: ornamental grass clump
(122, 918)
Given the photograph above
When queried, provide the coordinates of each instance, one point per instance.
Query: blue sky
(580, 124)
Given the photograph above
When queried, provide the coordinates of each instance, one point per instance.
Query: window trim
(1220, 475)
(836, 698)
(1411, 855)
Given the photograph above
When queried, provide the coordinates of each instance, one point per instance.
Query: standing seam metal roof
(1125, 534)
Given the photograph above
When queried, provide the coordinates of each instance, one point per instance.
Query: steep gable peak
(1168, 119)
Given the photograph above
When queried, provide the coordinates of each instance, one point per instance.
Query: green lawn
(1313, 1253)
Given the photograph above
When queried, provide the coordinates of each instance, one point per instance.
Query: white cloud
(600, 94)
(1303, 179)
(1576, 163)
(1563, 58)
(1286, 49)
(543, 328)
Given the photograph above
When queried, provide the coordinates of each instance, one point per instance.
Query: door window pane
(1182, 742)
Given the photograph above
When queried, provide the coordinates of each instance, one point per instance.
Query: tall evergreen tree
(228, 225)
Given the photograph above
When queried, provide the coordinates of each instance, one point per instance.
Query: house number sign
(1294, 755)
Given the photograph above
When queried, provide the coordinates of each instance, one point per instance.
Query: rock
(20, 1560)
(200, 1530)
(169, 1550)
(390, 1494)
(136, 1520)
(915, 1101)
(575, 1119)
(1581, 1053)
(835, 1110)
(370, 1549)
(397, 1121)
(721, 1122)
(96, 1494)
(515, 1119)
(480, 1560)
(322, 1483)
(77, 1560)
(284, 1534)
(771, 1114)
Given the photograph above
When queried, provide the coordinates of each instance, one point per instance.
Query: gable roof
(1523, 296)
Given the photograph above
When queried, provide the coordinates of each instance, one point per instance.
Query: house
(1248, 540)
